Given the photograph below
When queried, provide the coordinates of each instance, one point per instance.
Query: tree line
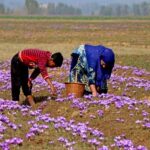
(142, 9)
(32, 7)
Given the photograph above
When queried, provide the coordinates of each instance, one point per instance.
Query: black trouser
(19, 78)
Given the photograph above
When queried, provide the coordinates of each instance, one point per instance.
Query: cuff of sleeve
(91, 82)
(46, 77)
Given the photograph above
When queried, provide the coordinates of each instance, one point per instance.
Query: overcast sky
(74, 2)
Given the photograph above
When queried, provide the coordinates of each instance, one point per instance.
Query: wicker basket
(75, 88)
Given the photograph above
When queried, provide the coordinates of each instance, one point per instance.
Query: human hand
(53, 93)
(53, 96)
(53, 90)
(93, 90)
(94, 94)
(30, 83)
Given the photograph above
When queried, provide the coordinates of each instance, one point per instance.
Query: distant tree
(103, 10)
(106, 11)
(9, 11)
(93, 13)
(2, 9)
(64, 9)
(145, 8)
(32, 7)
(119, 10)
(109, 11)
(73, 11)
(51, 9)
(114, 10)
(125, 10)
(61, 9)
(136, 10)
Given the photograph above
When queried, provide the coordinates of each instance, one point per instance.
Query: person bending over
(92, 65)
(35, 59)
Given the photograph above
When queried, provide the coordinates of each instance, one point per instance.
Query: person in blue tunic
(92, 65)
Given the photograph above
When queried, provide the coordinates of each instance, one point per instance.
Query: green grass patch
(77, 17)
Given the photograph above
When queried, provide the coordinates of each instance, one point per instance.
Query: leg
(26, 89)
(15, 78)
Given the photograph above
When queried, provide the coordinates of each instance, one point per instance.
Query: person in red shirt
(35, 59)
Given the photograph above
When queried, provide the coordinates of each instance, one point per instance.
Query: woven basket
(75, 88)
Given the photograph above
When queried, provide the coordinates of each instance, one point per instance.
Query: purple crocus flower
(100, 113)
(147, 125)
(103, 148)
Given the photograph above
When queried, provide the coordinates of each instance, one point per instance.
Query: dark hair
(57, 58)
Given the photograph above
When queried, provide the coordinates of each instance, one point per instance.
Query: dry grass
(126, 37)
(8, 49)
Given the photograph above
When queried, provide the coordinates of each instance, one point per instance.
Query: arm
(44, 73)
(35, 73)
(91, 77)
(53, 89)
(93, 89)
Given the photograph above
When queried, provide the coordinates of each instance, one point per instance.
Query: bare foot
(31, 101)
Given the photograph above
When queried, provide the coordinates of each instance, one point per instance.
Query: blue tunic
(94, 55)
(87, 65)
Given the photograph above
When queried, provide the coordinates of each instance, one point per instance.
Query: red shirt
(36, 58)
